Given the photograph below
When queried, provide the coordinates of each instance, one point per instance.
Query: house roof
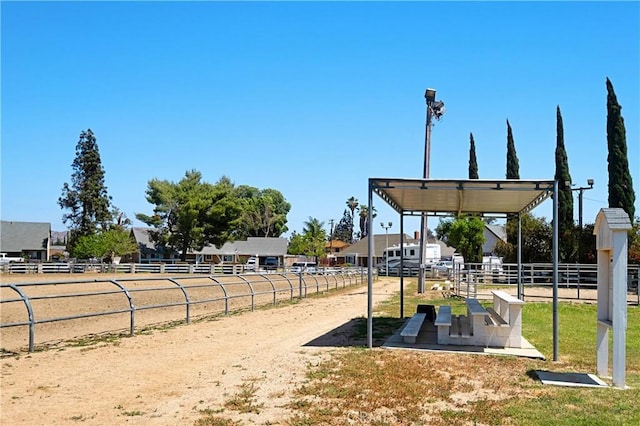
(19, 236)
(253, 245)
(498, 230)
(261, 246)
(476, 196)
(336, 244)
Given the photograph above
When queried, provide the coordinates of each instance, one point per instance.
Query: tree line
(576, 244)
(190, 214)
(187, 215)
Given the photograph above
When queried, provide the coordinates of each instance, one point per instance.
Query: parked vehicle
(252, 264)
(304, 267)
(8, 259)
(271, 263)
(411, 252)
(410, 268)
(443, 267)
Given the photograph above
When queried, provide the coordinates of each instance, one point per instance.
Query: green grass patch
(396, 387)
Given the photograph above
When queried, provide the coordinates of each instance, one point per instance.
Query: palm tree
(364, 216)
(352, 203)
(315, 236)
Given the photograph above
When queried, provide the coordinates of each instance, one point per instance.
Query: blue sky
(309, 98)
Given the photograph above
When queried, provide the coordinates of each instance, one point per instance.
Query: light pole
(386, 231)
(581, 189)
(434, 108)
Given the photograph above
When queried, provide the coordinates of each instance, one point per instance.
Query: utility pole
(434, 108)
(331, 243)
(581, 190)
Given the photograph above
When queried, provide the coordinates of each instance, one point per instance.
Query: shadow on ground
(353, 333)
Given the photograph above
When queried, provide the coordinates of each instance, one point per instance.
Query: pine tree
(344, 229)
(86, 197)
(513, 169)
(565, 195)
(621, 193)
(473, 163)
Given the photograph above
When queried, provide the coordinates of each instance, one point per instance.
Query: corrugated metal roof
(476, 196)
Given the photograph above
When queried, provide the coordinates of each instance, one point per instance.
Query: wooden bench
(411, 330)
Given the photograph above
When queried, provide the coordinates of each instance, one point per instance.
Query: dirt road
(169, 377)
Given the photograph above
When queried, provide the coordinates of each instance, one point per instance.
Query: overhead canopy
(476, 196)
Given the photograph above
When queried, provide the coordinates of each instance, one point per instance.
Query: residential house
(230, 252)
(26, 239)
(148, 251)
(240, 251)
(492, 235)
(332, 248)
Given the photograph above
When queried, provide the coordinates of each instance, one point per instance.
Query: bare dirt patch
(173, 376)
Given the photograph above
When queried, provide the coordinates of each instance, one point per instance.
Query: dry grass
(378, 387)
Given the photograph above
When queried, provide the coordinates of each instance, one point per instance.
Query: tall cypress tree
(513, 168)
(621, 193)
(86, 198)
(565, 196)
(513, 171)
(473, 163)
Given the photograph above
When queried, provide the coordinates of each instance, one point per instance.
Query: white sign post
(610, 230)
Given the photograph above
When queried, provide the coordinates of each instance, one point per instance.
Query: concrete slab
(569, 379)
(427, 340)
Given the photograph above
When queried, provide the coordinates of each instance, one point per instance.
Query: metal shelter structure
(445, 197)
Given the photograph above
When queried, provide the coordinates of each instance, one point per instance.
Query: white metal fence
(33, 305)
(474, 281)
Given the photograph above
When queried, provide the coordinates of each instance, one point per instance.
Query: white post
(611, 229)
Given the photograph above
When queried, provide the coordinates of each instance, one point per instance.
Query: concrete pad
(427, 340)
(569, 379)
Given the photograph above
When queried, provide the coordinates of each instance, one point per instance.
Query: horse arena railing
(476, 281)
(136, 302)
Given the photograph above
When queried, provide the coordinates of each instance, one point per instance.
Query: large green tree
(536, 241)
(190, 214)
(621, 193)
(473, 162)
(566, 226)
(112, 243)
(85, 199)
(264, 212)
(466, 234)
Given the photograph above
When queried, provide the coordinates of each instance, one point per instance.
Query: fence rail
(471, 281)
(31, 304)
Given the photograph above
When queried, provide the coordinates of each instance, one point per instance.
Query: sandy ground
(173, 376)
(167, 377)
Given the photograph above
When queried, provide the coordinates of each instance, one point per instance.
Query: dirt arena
(166, 377)
(169, 376)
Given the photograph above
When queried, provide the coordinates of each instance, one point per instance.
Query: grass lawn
(401, 387)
